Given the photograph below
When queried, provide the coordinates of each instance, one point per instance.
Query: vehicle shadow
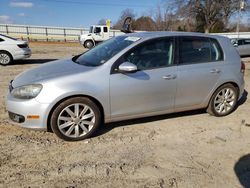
(243, 99)
(242, 170)
(32, 61)
(109, 126)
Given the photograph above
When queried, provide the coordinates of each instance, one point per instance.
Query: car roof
(169, 33)
(7, 37)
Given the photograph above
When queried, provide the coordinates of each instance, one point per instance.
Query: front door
(152, 88)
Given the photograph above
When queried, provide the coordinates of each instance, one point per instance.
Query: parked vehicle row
(126, 77)
(242, 45)
(12, 49)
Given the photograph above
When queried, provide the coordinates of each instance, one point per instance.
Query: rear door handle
(169, 77)
(215, 71)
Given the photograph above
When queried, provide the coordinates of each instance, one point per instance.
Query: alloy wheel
(76, 120)
(4, 59)
(225, 101)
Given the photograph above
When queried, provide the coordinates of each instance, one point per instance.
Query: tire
(71, 124)
(5, 58)
(89, 44)
(223, 101)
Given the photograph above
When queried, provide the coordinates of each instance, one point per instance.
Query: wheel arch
(97, 102)
(229, 82)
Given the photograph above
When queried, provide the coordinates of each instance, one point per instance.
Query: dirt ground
(191, 149)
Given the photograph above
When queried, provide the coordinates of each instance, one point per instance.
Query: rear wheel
(5, 58)
(223, 101)
(75, 119)
(89, 44)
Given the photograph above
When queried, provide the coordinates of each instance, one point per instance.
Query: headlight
(27, 92)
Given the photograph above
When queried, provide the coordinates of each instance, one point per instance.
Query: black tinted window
(152, 54)
(199, 50)
(97, 30)
(105, 29)
(240, 42)
(247, 41)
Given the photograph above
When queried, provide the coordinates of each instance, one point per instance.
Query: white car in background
(12, 49)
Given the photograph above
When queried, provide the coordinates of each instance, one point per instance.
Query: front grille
(16, 117)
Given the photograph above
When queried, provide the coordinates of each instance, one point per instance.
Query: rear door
(199, 68)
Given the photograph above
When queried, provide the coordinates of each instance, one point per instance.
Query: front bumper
(21, 111)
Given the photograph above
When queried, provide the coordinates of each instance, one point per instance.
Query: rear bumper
(22, 53)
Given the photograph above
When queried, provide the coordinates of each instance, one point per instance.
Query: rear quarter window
(199, 50)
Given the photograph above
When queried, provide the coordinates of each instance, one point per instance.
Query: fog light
(16, 117)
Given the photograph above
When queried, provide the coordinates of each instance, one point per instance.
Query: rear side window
(199, 50)
(105, 29)
(247, 41)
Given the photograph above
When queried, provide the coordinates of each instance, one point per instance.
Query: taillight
(242, 68)
(23, 45)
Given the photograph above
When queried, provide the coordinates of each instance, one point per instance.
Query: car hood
(48, 71)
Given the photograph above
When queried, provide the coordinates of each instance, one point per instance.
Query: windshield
(104, 51)
(91, 29)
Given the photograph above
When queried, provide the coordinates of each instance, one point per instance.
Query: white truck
(97, 34)
(100, 33)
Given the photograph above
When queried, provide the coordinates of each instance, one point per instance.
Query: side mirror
(127, 67)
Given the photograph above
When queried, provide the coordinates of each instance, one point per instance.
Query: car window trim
(119, 61)
(210, 39)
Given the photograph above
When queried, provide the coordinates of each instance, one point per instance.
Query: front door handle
(215, 71)
(169, 77)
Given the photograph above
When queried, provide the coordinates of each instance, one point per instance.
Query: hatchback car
(242, 45)
(126, 77)
(12, 49)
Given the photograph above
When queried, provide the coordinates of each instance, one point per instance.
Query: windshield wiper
(76, 57)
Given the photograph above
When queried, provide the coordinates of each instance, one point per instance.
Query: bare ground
(191, 149)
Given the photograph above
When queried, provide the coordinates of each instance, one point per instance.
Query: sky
(69, 13)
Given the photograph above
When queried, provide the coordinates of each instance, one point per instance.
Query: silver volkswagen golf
(126, 77)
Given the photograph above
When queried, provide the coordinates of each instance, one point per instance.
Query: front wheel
(89, 44)
(75, 119)
(223, 101)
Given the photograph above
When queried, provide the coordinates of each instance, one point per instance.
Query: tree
(102, 22)
(145, 23)
(210, 12)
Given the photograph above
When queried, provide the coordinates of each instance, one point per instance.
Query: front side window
(152, 54)
(199, 50)
(240, 42)
(97, 30)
